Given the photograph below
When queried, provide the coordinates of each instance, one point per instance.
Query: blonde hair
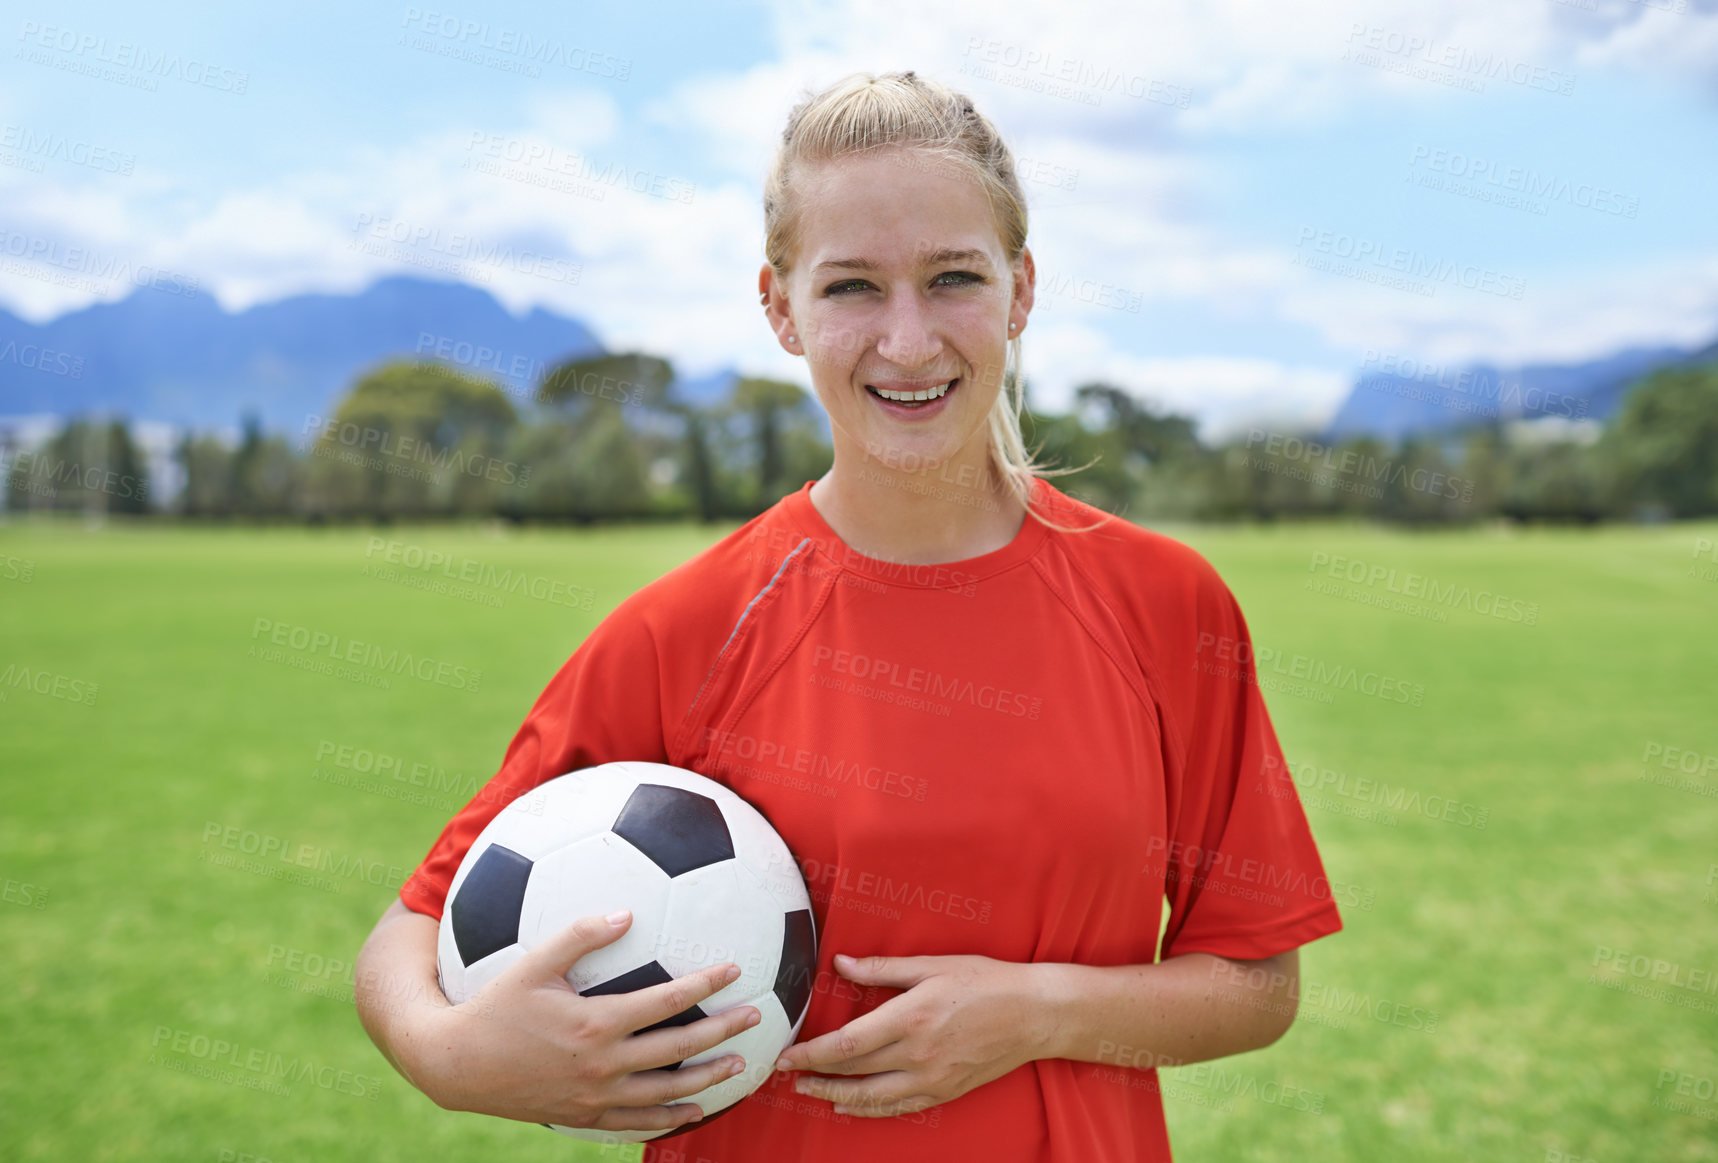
(866, 111)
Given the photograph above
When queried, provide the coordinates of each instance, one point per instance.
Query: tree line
(607, 438)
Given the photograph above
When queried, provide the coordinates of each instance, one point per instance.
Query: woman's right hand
(528, 1047)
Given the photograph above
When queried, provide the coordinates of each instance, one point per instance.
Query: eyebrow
(935, 258)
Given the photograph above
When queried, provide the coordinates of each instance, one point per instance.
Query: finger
(917, 1102)
(558, 954)
(651, 1087)
(648, 1118)
(658, 1048)
(890, 1057)
(877, 1091)
(895, 972)
(645, 1007)
(862, 1035)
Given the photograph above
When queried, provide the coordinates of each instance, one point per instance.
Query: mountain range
(1397, 397)
(174, 357)
(181, 359)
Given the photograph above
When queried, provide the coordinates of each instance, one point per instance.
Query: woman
(1002, 733)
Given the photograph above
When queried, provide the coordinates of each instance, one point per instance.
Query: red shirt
(1020, 755)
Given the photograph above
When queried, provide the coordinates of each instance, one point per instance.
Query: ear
(1025, 291)
(772, 295)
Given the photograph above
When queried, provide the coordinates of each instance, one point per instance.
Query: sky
(1236, 205)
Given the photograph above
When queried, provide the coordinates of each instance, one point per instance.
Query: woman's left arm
(966, 1020)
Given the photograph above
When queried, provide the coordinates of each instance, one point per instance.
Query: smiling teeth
(910, 397)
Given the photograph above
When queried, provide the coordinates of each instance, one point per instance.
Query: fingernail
(783, 1064)
(618, 918)
(736, 1066)
(754, 1018)
(731, 973)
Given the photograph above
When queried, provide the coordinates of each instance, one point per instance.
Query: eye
(842, 287)
(965, 278)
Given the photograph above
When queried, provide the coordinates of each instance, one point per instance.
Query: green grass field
(1460, 1016)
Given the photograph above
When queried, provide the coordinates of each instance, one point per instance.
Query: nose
(909, 337)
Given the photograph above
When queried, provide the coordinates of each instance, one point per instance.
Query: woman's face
(900, 285)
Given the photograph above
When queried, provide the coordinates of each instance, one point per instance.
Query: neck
(949, 511)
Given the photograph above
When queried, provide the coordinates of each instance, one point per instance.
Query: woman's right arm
(527, 1046)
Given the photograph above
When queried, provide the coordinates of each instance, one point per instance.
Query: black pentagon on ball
(678, 829)
(486, 908)
(646, 975)
(798, 962)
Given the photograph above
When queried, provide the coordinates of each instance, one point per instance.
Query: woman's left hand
(963, 1021)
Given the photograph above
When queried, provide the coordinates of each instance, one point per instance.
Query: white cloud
(1129, 100)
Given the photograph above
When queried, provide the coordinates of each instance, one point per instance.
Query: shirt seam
(1312, 913)
(1140, 683)
(1148, 667)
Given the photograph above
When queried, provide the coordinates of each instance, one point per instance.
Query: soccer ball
(707, 879)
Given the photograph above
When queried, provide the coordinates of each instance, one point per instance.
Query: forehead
(896, 207)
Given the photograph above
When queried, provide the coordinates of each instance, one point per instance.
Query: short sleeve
(604, 705)
(1243, 875)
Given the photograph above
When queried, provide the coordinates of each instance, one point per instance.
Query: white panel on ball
(594, 877)
(706, 909)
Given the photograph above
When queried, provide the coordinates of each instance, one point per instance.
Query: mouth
(914, 401)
